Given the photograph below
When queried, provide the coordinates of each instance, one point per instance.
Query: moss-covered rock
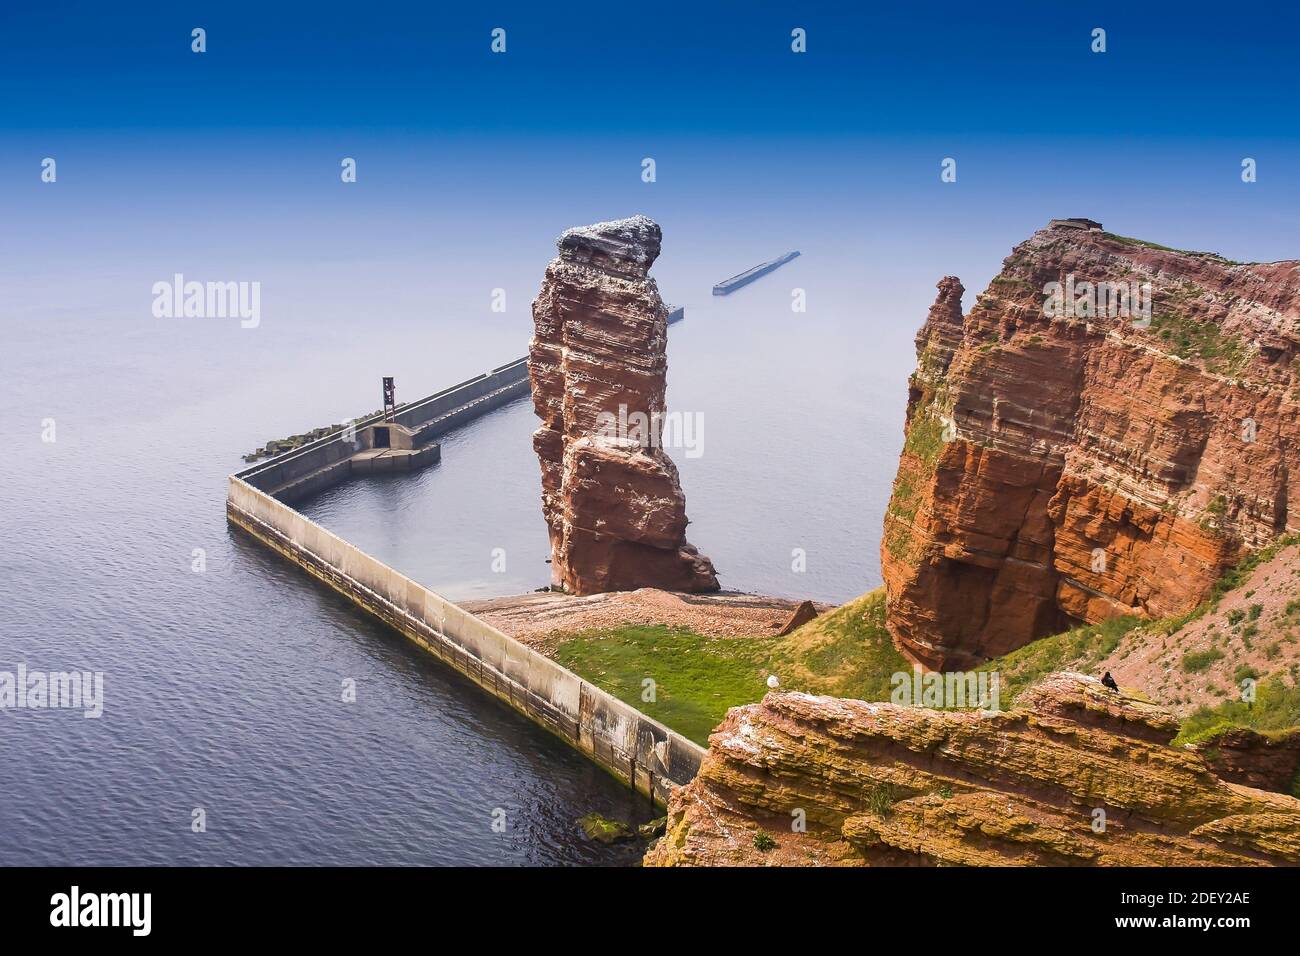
(1076, 775)
(605, 830)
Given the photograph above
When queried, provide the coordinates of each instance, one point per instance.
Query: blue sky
(226, 163)
(1171, 69)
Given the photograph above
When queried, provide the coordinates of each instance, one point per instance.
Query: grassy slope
(1077, 650)
(1277, 705)
(1276, 708)
(695, 678)
(846, 653)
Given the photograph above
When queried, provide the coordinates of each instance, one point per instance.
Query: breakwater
(637, 750)
(728, 286)
(326, 462)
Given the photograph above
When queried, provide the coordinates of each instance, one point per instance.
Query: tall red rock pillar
(610, 495)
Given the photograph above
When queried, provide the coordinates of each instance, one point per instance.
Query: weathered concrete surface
(637, 750)
(728, 286)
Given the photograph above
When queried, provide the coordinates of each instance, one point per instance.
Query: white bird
(772, 682)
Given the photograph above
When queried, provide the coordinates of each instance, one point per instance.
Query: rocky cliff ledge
(1071, 467)
(1076, 774)
(610, 495)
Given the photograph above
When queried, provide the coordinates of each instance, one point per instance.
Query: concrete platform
(393, 459)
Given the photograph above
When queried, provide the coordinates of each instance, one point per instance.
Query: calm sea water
(223, 688)
(791, 455)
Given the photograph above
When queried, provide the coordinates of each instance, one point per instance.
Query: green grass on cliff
(1204, 341)
(1083, 647)
(1277, 705)
(1130, 241)
(925, 435)
(1275, 711)
(1276, 708)
(1078, 649)
(845, 653)
(696, 678)
(848, 653)
(925, 441)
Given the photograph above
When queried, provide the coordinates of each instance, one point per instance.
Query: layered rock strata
(1070, 459)
(1075, 775)
(611, 496)
(1265, 761)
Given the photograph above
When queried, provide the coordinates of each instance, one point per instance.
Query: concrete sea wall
(728, 286)
(639, 751)
(327, 461)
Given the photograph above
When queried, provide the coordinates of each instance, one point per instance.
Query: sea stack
(611, 496)
(1108, 429)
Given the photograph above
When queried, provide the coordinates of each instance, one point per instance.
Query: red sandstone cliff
(611, 498)
(1075, 775)
(1073, 467)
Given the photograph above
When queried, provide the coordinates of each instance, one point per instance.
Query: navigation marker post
(390, 404)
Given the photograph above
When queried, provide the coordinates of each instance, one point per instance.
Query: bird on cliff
(772, 682)
(1109, 681)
